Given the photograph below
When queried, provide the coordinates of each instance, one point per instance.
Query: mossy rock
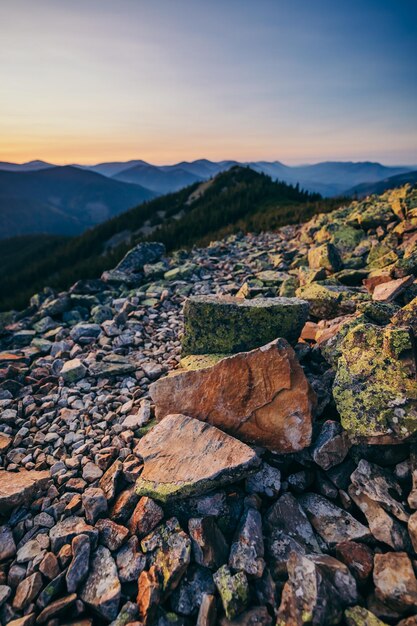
(325, 256)
(330, 300)
(406, 266)
(359, 616)
(289, 287)
(227, 325)
(371, 213)
(200, 361)
(407, 316)
(375, 388)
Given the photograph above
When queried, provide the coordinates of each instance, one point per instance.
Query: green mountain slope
(367, 189)
(239, 199)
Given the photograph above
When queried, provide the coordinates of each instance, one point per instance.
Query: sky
(168, 80)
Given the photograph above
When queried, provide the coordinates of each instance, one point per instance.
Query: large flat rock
(17, 488)
(260, 397)
(183, 457)
(225, 324)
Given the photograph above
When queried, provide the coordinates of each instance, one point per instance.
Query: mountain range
(40, 197)
(61, 200)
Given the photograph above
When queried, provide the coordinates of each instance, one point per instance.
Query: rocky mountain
(271, 480)
(237, 199)
(61, 200)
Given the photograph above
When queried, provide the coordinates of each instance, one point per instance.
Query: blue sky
(166, 80)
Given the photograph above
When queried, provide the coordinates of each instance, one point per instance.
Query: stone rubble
(260, 469)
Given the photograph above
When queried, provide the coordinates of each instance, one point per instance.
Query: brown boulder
(395, 581)
(261, 397)
(183, 456)
(17, 488)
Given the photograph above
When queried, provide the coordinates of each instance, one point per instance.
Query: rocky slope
(271, 479)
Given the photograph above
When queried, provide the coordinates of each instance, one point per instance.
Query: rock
(112, 535)
(110, 480)
(210, 548)
(56, 608)
(207, 613)
(54, 588)
(172, 553)
(27, 591)
(145, 517)
(395, 582)
(65, 531)
(407, 316)
(91, 472)
(389, 291)
(130, 561)
(78, 568)
(359, 616)
(94, 503)
(339, 576)
(124, 505)
(228, 325)
(247, 551)
(183, 456)
(325, 256)
(49, 566)
(329, 301)
(5, 593)
(233, 590)
(7, 543)
(149, 593)
(375, 388)
(262, 397)
(380, 486)
(188, 596)
(5, 442)
(142, 254)
(32, 549)
(382, 525)
(128, 614)
(85, 332)
(288, 530)
(19, 488)
(139, 419)
(412, 530)
(266, 481)
(73, 371)
(101, 591)
(333, 524)
(331, 446)
(308, 597)
(358, 557)
(258, 616)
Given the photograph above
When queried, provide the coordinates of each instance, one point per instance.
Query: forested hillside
(239, 199)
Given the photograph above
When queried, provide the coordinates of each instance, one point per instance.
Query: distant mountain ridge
(61, 200)
(367, 189)
(329, 178)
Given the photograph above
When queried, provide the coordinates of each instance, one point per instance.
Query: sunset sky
(166, 80)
